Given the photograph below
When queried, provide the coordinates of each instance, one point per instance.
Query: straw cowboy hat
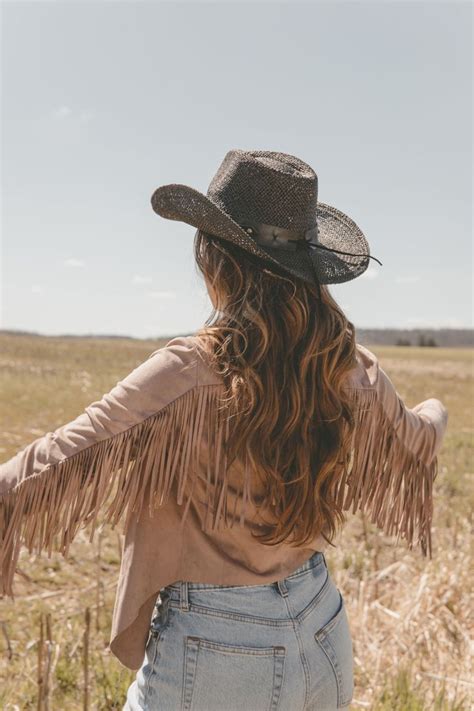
(267, 204)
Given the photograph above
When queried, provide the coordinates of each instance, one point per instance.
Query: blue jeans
(284, 645)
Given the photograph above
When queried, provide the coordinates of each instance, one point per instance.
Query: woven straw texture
(253, 187)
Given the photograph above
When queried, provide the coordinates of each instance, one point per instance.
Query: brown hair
(283, 353)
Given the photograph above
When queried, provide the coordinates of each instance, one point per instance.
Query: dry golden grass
(410, 617)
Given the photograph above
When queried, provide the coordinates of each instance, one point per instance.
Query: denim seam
(279, 666)
(293, 576)
(257, 620)
(295, 622)
(316, 600)
(342, 701)
(204, 587)
(157, 638)
(323, 638)
(183, 597)
(334, 622)
(224, 648)
(191, 653)
(335, 668)
(235, 616)
(183, 676)
(146, 693)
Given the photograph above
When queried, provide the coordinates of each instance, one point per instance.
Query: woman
(230, 456)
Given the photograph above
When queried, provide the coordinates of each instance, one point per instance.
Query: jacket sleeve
(394, 456)
(60, 481)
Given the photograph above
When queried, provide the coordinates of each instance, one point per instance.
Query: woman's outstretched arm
(394, 456)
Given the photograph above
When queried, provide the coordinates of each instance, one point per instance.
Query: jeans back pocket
(336, 642)
(222, 676)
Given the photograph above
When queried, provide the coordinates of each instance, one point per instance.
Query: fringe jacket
(151, 454)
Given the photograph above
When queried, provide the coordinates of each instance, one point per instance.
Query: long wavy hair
(282, 349)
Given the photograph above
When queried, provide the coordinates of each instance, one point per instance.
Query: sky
(102, 102)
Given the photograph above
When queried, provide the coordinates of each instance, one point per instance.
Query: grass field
(410, 617)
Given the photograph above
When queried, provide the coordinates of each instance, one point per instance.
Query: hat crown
(266, 187)
(266, 203)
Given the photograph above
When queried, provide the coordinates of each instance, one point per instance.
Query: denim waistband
(316, 559)
(187, 596)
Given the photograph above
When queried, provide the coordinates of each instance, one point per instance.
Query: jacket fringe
(115, 477)
(384, 479)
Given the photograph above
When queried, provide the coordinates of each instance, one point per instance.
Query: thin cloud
(86, 115)
(36, 289)
(140, 279)
(74, 263)
(162, 294)
(63, 113)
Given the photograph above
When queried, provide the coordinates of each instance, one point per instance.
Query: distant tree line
(422, 341)
(442, 337)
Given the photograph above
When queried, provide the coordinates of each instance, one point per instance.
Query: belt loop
(183, 596)
(282, 588)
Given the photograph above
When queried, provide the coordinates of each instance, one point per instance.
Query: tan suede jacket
(150, 454)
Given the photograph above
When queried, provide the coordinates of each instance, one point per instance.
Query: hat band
(281, 238)
(291, 241)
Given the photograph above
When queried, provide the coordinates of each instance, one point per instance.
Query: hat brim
(336, 231)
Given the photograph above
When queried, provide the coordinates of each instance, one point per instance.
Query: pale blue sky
(102, 102)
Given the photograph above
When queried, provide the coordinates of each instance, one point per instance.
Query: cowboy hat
(266, 203)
